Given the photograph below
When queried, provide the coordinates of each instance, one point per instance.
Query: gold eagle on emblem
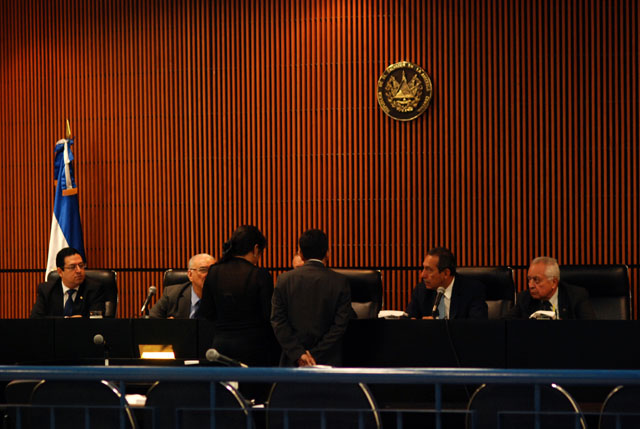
(404, 96)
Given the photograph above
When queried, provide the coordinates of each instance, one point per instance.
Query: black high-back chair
(74, 403)
(173, 404)
(366, 291)
(108, 279)
(513, 407)
(174, 277)
(18, 396)
(500, 290)
(305, 405)
(621, 409)
(608, 287)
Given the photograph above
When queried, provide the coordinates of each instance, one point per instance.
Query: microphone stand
(106, 355)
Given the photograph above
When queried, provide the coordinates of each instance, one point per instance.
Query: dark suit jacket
(311, 310)
(573, 303)
(49, 299)
(467, 300)
(236, 296)
(175, 302)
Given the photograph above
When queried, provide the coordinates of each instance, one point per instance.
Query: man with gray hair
(547, 292)
(182, 301)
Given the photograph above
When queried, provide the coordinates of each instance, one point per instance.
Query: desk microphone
(436, 303)
(145, 307)
(99, 340)
(214, 356)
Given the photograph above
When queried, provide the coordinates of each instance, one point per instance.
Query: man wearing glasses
(546, 292)
(182, 301)
(70, 295)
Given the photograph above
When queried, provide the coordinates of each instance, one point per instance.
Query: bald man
(182, 301)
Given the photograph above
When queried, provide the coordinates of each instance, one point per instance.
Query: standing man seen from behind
(460, 298)
(546, 292)
(311, 307)
(71, 295)
(182, 301)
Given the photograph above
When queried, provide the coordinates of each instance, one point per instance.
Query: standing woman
(237, 297)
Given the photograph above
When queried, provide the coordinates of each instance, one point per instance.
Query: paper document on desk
(544, 315)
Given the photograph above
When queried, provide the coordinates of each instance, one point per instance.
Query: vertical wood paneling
(192, 118)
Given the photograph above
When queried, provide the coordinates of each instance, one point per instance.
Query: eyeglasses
(73, 267)
(536, 280)
(201, 270)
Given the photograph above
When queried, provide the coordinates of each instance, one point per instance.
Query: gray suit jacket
(175, 302)
(311, 307)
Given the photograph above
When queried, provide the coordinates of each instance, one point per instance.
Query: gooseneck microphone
(145, 307)
(436, 303)
(99, 340)
(214, 356)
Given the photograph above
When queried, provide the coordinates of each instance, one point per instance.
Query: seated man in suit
(463, 298)
(182, 301)
(547, 292)
(72, 295)
(311, 307)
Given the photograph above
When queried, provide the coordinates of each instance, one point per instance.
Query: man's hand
(427, 318)
(306, 359)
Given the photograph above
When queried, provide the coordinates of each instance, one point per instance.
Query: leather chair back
(172, 404)
(621, 409)
(608, 287)
(366, 291)
(174, 277)
(98, 403)
(342, 405)
(109, 281)
(513, 407)
(500, 290)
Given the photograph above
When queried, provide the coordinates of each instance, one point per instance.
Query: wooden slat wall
(194, 117)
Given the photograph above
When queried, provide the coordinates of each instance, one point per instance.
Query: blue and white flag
(66, 229)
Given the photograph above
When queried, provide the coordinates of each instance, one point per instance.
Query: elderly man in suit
(463, 298)
(71, 295)
(311, 307)
(547, 292)
(182, 301)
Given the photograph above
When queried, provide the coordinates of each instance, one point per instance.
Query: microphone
(214, 356)
(436, 303)
(152, 292)
(99, 340)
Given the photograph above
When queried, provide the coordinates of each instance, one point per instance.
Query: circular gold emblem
(404, 91)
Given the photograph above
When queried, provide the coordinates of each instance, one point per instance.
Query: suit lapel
(57, 303)
(456, 297)
(184, 303)
(78, 303)
(563, 304)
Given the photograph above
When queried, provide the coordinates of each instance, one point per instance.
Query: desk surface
(367, 343)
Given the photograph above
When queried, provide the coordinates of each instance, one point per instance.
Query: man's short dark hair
(313, 244)
(63, 253)
(445, 259)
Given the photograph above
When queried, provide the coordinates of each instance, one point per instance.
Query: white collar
(65, 289)
(449, 289)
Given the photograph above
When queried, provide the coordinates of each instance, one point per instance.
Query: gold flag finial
(68, 130)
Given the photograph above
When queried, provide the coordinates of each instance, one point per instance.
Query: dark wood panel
(193, 118)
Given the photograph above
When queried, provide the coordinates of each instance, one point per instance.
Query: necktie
(196, 307)
(546, 305)
(68, 306)
(442, 311)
